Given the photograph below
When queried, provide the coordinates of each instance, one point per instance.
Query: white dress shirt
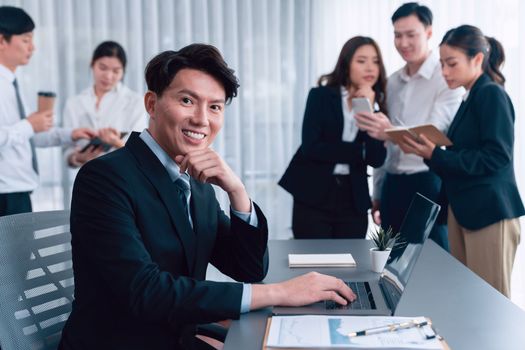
(423, 98)
(16, 169)
(120, 108)
(349, 130)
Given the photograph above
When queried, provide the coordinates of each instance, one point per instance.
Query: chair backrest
(36, 279)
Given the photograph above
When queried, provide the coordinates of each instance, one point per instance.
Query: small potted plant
(384, 242)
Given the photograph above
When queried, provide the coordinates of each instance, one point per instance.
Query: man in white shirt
(416, 94)
(19, 132)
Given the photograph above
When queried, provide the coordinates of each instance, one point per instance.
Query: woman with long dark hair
(327, 176)
(482, 199)
(108, 105)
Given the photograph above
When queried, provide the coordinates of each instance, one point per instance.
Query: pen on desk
(389, 328)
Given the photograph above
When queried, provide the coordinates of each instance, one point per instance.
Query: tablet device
(361, 104)
(96, 142)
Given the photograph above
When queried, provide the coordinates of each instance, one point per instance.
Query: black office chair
(36, 279)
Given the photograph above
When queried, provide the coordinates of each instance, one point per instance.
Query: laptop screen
(415, 229)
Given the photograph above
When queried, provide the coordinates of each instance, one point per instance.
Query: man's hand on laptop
(303, 290)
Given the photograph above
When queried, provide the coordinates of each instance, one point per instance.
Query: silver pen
(389, 328)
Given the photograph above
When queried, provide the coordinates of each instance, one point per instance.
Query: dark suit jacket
(477, 171)
(138, 265)
(309, 177)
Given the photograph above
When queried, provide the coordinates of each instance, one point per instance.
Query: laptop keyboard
(364, 300)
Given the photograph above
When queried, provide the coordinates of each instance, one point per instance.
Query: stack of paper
(321, 260)
(333, 332)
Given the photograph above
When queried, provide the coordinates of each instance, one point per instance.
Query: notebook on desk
(321, 260)
(381, 297)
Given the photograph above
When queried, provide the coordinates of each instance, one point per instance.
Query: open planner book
(430, 131)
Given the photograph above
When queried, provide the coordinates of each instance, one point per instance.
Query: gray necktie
(23, 116)
(183, 187)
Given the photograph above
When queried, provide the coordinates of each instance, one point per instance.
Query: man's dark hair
(110, 49)
(14, 21)
(422, 12)
(161, 70)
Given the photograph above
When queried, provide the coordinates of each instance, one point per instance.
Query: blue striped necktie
(23, 116)
(183, 187)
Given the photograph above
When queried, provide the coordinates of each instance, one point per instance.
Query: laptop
(381, 297)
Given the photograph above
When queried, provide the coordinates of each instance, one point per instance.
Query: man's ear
(150, 103)
(429, 32)
(3, 41)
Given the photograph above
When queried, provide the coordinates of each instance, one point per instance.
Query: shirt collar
(426, 70)
(171, 167)
(117, 88)
(7, 74)
(465, 96)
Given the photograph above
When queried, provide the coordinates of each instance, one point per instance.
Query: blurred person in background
(108, 106)
(479, 186)
(416, 94)
(20, 132)
(327, 176)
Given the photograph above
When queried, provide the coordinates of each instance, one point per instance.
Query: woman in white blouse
(107, 106)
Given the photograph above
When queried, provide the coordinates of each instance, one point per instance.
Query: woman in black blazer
(477, 171)
(327, 176)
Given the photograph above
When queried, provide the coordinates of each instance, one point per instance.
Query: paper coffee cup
(46, 100)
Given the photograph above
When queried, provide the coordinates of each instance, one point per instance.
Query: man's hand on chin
(206, 166)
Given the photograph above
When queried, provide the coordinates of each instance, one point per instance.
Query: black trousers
(397, 194)
(336, 219)
(15, 203)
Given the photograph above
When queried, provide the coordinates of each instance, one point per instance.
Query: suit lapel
(338, 106)
(457, 118)
(482, 80)
(153, 169)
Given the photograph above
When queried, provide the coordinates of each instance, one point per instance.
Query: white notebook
(321, 260)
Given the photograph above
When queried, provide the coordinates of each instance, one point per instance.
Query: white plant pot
(378, 259)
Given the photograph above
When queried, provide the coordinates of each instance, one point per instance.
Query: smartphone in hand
(361, 104)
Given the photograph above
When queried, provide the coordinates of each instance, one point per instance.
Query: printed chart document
(430, 131)
(321, 260)
(332, 332)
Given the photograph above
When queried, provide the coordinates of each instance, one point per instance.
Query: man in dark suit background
(142, 241)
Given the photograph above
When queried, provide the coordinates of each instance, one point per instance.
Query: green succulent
(385, 239)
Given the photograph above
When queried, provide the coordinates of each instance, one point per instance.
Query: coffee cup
(46, 100)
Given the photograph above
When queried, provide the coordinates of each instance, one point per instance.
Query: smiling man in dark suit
(145, 223)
